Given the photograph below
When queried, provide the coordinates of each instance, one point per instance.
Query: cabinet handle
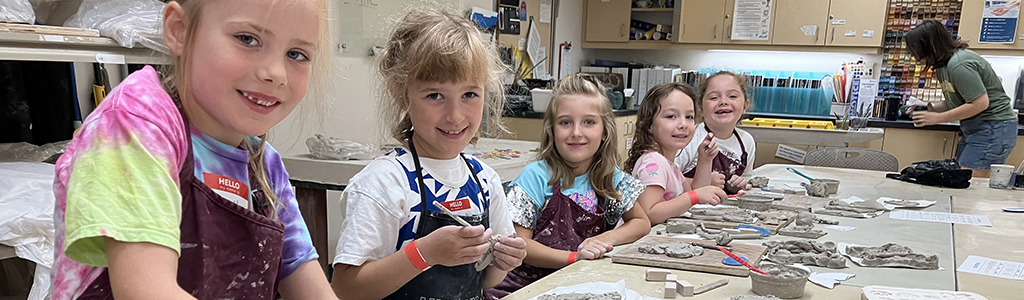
(944, 140)
(833, 34)
(715, 31)
(683, 33)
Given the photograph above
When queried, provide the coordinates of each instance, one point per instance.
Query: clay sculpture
(803, 227)
(805, 252)
(675, 250)
(775, 216)
(782, 281)
(489, 255)
(758, 182)
(723, 214)
(582, 296)
(817, 189)
(755, 203)
(893, 255)
(680, 226)
(843, 209)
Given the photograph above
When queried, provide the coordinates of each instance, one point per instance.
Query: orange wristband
(572, 257)
(416, 257)
(694, 200)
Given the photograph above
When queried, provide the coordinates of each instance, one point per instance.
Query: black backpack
(941, 173)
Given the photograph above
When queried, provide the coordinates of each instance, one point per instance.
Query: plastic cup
(999, 176)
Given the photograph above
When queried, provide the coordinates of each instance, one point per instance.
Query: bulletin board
(545, 30)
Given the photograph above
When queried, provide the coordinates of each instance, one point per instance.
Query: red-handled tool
(736, 195)
(741, 261)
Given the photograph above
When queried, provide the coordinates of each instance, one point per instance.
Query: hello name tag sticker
(228, 187)
(457, 205)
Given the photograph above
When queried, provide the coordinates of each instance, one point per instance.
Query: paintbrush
(451, 214)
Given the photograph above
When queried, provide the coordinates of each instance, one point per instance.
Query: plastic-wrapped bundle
(126, 21)
(17, 11)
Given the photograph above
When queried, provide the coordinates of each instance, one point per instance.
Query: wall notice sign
(809, 30)
(790, 153)
(751, 20)
(999, 21)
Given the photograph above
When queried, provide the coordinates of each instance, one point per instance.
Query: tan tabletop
(1004, 241)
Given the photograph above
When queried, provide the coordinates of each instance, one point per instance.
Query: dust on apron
(227, 251)
(724, 164)
(462, 282)
(562, 225)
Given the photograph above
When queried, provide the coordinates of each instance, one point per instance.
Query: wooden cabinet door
(524, 129)
(856, 23)
(793, 17)
(625, 126)
(914, 145)
(607, 20)
(700, 21)
(727, 23)
(970, 27)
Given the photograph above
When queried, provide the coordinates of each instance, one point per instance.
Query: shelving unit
(61, 48)
(901, 74)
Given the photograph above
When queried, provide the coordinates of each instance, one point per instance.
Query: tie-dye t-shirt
(119, 179)
(654, 169)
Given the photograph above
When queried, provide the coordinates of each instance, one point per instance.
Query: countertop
(530, 114)
(905, 124)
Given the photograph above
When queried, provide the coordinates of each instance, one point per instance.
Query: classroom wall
(569, 28)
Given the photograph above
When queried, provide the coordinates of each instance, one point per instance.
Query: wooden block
(657, 274)
(670, 290)
(671, 278)
(684, 288)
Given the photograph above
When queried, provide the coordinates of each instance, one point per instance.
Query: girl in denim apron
(973, 95)
(439, 80)
(723, 101)
(177, 194)
(664, 125)
(567, 204)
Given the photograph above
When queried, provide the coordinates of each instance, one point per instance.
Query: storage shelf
(661, 9)
(48, 47)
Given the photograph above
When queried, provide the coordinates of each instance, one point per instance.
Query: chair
(852, 158)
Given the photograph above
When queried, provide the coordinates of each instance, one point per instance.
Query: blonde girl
(566, 206)
(440, 78)
(170, 191)
(664, 126)
(723, 101)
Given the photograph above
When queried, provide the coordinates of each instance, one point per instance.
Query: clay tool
(735, 195)
(709, 246)
(710, 286)
(451, 214)
(1014, 210)
(741, 261)
(801, 174)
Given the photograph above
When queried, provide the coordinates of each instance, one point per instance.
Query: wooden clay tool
(451, 214)
(710, 286)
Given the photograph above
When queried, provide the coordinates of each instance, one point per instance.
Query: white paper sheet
(940, 217)
(840, 227)
(545, 11)
(992, 267)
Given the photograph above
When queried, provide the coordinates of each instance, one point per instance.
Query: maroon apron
(227, 251)
(562, 225)
(724, 164)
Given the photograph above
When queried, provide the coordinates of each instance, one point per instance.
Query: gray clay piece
(782, 281)
(805, 252)
(489, 255)
(758, 182)
(680, 226)
(817, 189)
(893, 255)
(582, 296)
(903, 203)
(803, 227)
(775, 216)
(724, 214)
(755, 203)
(675, 250)
(843, 209)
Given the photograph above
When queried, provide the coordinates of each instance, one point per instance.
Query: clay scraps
(803, 227)
(582, 296)
(723, 214)
(844, 208)
(805, 252)
(758, 182)
(889, 255)
(675, 250)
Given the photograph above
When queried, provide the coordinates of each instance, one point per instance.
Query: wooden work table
(953, 243)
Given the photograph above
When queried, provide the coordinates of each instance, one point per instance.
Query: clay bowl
(784, 281)
(753, 202)
(831, 185)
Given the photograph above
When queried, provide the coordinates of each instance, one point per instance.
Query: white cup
(999, 177)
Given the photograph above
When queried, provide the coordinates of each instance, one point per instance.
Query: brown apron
(562, 225)
(227, 251)
(724, 164)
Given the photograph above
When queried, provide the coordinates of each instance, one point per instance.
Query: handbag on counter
(941, 173)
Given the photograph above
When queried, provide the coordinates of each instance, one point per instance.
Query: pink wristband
(694, 200)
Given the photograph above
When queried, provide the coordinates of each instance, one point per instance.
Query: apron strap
(423, 186)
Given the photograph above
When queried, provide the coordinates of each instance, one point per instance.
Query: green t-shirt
(966, 77)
